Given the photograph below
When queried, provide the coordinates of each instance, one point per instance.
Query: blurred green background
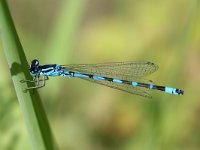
(86, 116)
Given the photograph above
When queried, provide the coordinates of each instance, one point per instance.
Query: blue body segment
(134, 83)
(98, 78)
(172, 90)
(79, 75)
(117, 81)
(151, 86)
(125, 76)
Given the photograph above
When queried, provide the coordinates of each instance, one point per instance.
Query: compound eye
(35, 62)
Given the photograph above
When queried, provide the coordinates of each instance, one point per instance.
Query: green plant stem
(33, 112)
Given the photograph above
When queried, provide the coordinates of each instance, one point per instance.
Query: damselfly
(125, 76)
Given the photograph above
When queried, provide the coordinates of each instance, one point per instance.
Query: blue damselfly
(125, 76)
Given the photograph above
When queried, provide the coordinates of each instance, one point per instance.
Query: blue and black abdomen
(125, 76)
(116, 83)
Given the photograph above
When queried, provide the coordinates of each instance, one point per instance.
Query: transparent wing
(145, 92)
(119, 70)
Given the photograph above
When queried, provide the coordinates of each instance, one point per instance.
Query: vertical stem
(33, 112)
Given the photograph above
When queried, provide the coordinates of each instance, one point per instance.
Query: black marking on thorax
(71, 73)
(47, 68)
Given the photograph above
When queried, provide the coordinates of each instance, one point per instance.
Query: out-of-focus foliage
(85, 116)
